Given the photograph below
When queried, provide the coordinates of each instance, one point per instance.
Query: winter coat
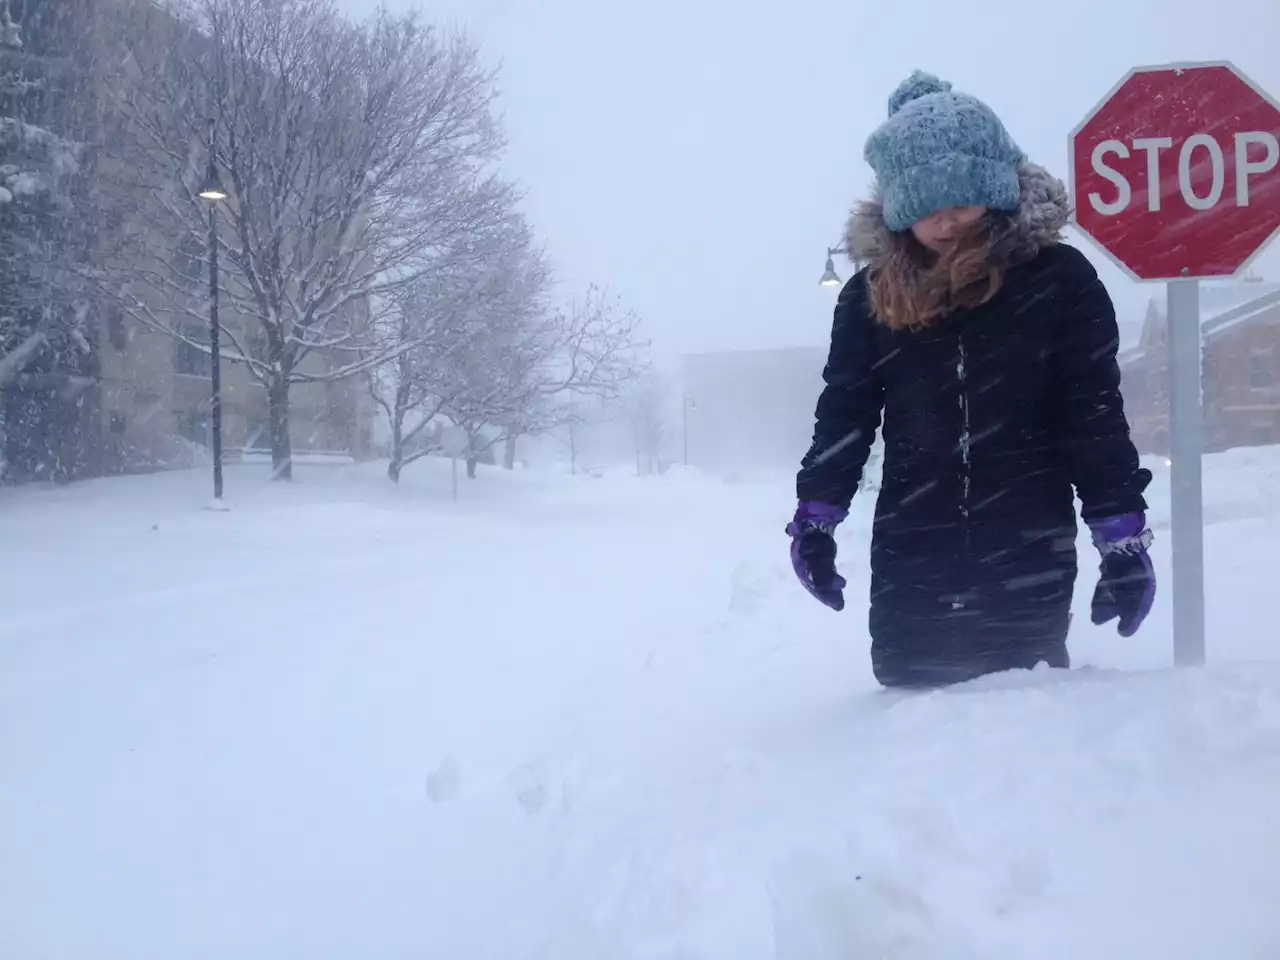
(991, 416)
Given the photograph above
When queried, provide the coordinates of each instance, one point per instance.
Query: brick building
(1240, 331)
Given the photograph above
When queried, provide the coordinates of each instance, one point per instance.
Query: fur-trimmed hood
(1043, 211)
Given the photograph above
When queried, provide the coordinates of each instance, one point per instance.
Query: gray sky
(698, 157)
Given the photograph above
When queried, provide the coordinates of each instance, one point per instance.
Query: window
(193, 427)
(1261, 364)
(189, 358)
(116, 331)
(1261, 434)
(257, 432)
(118, 424)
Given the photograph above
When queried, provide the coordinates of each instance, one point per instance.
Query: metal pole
(215, 355)
(1186, 424)
(684, 427)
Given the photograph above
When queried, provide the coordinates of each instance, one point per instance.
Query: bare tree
(645, 406)
(461, 327)
(404, 386)
(353, 155)
(589, 351)
(494, 371)
(526, 370)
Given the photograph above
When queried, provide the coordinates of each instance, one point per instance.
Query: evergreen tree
(48, 354)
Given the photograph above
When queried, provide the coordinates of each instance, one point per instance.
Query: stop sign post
(1175, 175)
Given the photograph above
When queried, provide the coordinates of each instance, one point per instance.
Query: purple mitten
(1127, 580)
(813, 551)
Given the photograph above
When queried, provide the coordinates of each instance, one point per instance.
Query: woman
(990, 346)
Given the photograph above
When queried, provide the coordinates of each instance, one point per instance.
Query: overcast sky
(697, 157)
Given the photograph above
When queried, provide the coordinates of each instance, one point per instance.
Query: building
(1240, 331)
(155, 396)
(117, 396)
(155, 403)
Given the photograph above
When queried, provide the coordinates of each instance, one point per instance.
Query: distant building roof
(1224, 305)
(1259, 309)
(1130, 354)
(1220, 298)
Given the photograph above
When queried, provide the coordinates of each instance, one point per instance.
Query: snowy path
(585, 721)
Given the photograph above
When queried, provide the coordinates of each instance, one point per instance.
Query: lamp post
(687, 404)
(213, 193)
(829, 276)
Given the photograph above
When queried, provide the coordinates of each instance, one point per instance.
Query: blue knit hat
(941, 149)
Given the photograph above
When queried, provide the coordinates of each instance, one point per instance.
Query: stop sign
(1176, 173)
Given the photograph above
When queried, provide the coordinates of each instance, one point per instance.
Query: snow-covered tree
(492, 355)
(442, 334)
(485, 373)
(47, 353)
(590, 351)
(526, 372)
(353, 155)
(646, 405)
(36, 209)
(405, 387)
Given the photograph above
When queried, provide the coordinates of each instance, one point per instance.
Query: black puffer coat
(991, 417)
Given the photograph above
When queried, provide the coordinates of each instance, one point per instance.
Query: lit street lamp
(213, 193)
(829, 276)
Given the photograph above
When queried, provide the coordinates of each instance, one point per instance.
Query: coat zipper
(965, 436)
(965, 461)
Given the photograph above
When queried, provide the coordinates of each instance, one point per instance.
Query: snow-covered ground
(586, 719)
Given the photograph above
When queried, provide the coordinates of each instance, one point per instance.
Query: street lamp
(829, 276)
(686, 405)
(213, 193)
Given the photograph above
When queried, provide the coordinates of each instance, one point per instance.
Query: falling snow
(566, 701)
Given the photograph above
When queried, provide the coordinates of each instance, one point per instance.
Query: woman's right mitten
(813, 551)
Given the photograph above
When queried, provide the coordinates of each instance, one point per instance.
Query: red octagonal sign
(1176, 173)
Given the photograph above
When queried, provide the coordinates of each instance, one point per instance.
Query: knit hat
(941, 149)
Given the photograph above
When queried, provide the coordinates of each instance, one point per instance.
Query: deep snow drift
(584, 719)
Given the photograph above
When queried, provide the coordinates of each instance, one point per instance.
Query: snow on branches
(355, 156)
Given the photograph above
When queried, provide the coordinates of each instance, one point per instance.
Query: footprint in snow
(751, 585)
(444, 782)
(826, 910)
(1027, 879)
(530, 785)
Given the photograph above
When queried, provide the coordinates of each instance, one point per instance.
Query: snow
(26, 184)
(588, 718)
(17, 134)
(13, 362)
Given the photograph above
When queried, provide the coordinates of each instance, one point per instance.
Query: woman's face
(939, 229)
